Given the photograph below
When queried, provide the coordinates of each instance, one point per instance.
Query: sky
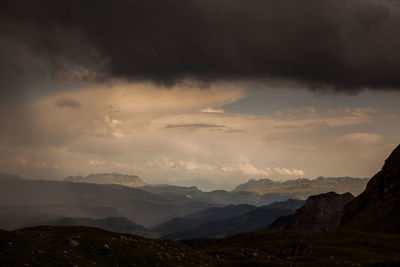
(205, 93)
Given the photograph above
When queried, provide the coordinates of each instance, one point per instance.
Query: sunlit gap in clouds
(182, 133)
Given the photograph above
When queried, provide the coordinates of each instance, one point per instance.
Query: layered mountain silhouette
(354, 243)
(321, 213)
(22, 200)
(226, 221)
(221, 197)
(198, 218)
(377, 209)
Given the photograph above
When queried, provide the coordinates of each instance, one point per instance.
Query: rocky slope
(108, 178)
(378, 207)
(321, 212)
(84, 246)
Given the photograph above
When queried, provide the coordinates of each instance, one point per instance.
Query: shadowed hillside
(377, 209)
(115, 224)
(83, 246)
(321, 213)
(219, 227)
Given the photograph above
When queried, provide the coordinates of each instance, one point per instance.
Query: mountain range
(356, 231)
(100, 196)
(210, 227)
(303, 188)
(21, 200)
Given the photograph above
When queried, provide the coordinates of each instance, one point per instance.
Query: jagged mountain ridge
(303, 188)
(377, 209)
(220, 197)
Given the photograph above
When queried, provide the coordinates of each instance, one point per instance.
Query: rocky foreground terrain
(83, 246)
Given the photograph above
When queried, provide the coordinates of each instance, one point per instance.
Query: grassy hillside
(83, 246)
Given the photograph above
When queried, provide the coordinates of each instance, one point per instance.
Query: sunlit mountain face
(199, 93)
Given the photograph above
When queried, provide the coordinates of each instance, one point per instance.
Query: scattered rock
(73, 243)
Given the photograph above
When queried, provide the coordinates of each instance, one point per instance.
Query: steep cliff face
(377, 209)
(321, 213)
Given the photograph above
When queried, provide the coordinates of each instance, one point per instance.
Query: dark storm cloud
(340, 44)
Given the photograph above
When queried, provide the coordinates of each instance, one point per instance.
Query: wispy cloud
(68, 102)
(194, 125)
(241, 165)
(359, 139)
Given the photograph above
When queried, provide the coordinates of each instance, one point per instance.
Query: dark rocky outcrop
(321, 212)
(377, 209)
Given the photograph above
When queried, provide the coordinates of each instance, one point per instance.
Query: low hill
(255, 183)
(115, 224)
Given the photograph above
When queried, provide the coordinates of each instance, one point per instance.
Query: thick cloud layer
(340, 44)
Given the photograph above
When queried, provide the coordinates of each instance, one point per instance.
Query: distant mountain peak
(302, 188)
(108, 178)
(253, 182)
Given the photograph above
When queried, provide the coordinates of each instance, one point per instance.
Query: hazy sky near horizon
(207, 93)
